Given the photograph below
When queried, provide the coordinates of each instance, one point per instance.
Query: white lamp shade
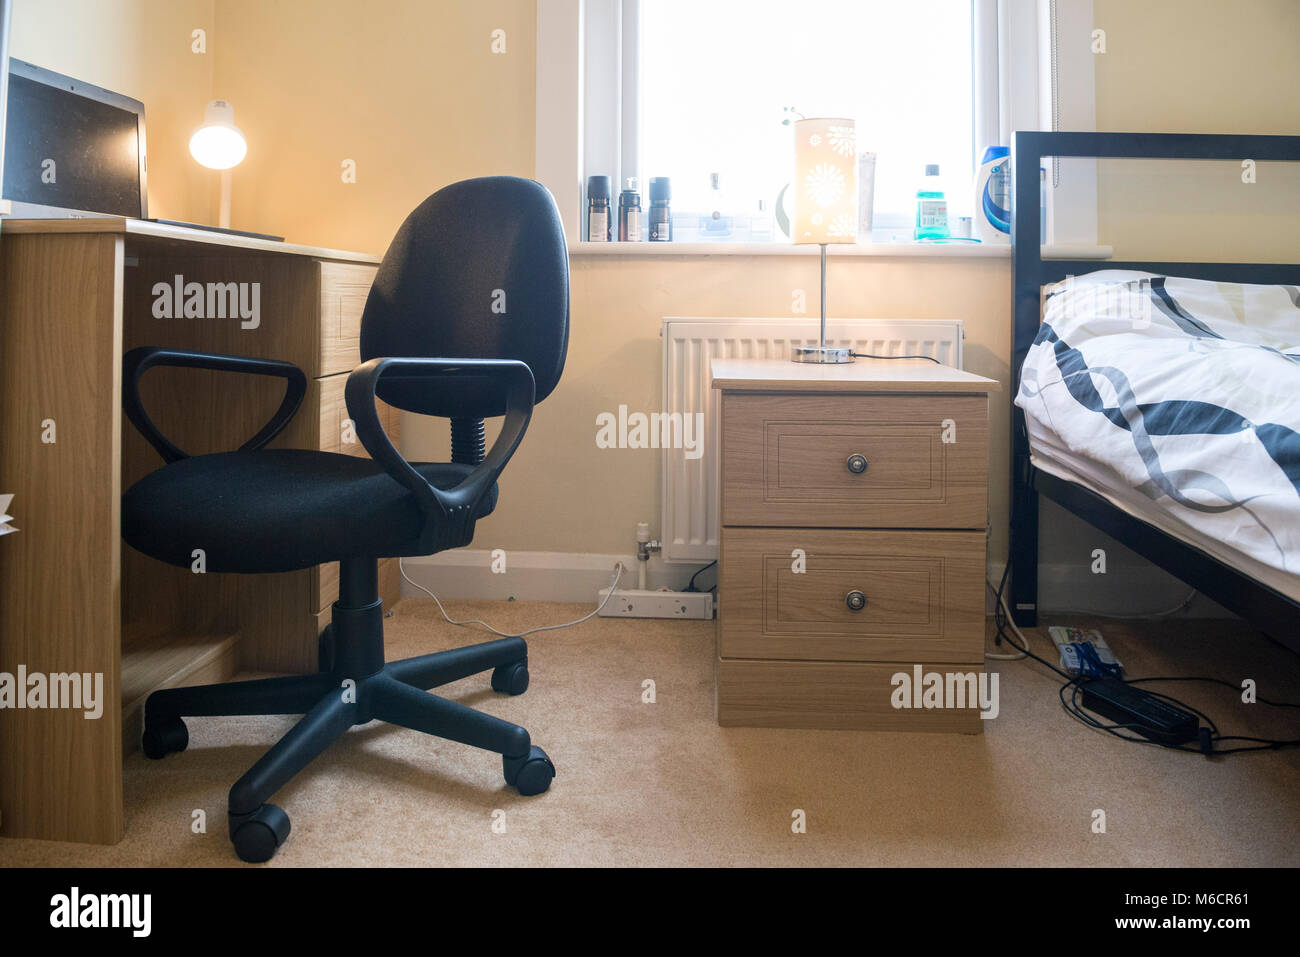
(218, 143)
(826, 181)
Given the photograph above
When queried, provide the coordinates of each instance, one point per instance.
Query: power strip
(635, 603)
(1135, 709)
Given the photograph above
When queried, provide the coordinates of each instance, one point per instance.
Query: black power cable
(691, 585)
(1074, 684)
(867, 355)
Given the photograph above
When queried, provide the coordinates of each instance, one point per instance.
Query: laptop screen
(70, 152)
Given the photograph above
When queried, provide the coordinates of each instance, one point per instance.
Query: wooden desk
(74, 296)
(854, 506)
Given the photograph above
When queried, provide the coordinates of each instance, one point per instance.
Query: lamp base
(826, 355)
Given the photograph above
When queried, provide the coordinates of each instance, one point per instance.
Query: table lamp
(825, 206)
(219, 144)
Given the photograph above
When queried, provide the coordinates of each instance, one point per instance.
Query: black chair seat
(277, 510)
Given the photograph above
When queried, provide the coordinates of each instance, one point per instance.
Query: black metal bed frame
(1265, 608)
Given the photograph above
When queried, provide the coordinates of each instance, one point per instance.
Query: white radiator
(689, 513)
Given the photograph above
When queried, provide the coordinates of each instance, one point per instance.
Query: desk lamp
(219, 144)
(825, 206)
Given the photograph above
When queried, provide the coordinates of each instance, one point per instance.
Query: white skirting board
(537, 576)
(1137, 590)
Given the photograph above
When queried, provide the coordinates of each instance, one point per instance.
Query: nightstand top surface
(861, 375)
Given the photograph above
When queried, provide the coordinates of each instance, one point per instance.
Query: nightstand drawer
(884, 461)
(344, 288)
(785, 594)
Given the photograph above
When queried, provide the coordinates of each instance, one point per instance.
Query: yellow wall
(140, 48)
(1199, 66)
(409, 89)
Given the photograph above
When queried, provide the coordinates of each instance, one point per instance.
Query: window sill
(886, 250)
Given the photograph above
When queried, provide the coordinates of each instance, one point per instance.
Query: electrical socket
(634, 603)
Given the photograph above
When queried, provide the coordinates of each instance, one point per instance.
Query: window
(686, 88)
(716, 75)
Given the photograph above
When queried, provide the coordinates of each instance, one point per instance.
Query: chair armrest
(136, 362)
(449, 513)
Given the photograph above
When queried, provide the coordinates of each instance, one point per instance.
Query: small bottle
(598, 225)
(715, 224)
(661, 217)
(629, 213)
(760, 224)
(931, 207)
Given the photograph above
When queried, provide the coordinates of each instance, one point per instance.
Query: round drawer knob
(856, 463)
(855, 600)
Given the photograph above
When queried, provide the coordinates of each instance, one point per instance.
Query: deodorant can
(598, 224)
(661, 217)
(629, 213)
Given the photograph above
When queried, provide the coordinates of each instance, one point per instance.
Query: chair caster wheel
(512, 678)
(325, 650)
(257, 836)
(531, 774)
(164, 736)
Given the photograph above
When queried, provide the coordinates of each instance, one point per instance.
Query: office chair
(430, 343)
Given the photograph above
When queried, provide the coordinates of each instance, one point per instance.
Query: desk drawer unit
(343, 291)
(852, 544)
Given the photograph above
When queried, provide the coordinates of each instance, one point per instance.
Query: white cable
(1024, 642)
(1147, 617)
(613, 585)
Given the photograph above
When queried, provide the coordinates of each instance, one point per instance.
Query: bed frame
(1267, 609)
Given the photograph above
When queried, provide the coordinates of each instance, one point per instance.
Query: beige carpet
(662, 784)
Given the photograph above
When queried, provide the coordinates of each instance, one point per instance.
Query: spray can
(629, 213)
(598, 224)
(661, 217)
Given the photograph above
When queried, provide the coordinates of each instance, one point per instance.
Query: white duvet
(1183, 393)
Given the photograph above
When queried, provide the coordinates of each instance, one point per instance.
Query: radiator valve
(644, 544)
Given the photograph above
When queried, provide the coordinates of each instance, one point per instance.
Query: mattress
(1178, 400)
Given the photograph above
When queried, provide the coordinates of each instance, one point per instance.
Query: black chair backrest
(478, 271)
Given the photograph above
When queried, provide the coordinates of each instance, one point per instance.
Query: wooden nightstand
(854, 513)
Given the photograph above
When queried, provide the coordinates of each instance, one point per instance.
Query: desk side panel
(60, 349)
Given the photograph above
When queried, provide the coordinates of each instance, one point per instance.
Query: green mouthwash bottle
(931, 207)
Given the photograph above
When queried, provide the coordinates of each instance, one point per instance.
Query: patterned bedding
(1181, 396)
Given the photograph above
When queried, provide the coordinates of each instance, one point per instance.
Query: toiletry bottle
(993, 196)
(629, 213)
(598, 225)
(866, 195)
(760, 224)
(661, 217)
(931, 207)
(715, 224)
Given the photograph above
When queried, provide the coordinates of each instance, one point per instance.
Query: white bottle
(993, 196)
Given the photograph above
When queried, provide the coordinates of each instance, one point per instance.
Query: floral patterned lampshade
(826, 181)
